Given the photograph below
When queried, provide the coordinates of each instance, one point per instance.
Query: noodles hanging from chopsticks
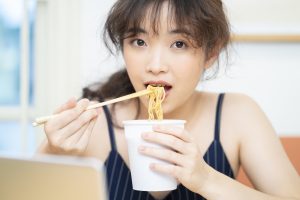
(155, 102)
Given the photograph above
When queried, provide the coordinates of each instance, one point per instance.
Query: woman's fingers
(166, 140)
(85, 137)
(164, 154)
(65, 117)
(172, 170)
(69, 144)
(65, 130)
(71, 103)
(73, 143)
(70, 131)
(173, 130)
(78, 123)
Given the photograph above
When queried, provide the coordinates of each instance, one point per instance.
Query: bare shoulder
(247, 119)
(260, 147)
(238, 110)
(241, 103)
(245, 113)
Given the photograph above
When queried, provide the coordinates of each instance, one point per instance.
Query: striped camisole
(119, 178)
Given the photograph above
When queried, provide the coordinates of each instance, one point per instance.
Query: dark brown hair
(203, 20)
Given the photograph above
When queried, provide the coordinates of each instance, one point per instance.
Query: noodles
(155, 100)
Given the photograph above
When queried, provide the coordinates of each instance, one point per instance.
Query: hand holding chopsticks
(42, 120)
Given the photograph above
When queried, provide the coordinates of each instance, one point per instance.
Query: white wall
(268, 72)
(96, 61)
(264, 16)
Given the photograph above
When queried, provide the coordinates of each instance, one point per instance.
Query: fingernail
(73, 102)
(145, 135)
(152, 166)
(141, 148)
(72, 99)
(84, 102)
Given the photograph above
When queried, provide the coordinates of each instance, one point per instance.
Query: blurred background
(50, 49)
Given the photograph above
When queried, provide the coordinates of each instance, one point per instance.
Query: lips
(167, 86)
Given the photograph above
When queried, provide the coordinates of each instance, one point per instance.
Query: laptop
(48, 177)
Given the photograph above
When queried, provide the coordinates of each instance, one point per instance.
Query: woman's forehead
(158, 19)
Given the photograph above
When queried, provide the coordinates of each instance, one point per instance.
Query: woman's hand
(69, 132)
(187, 164)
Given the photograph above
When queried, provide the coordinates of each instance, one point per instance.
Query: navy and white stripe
(119, 177)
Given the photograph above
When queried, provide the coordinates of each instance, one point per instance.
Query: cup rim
(152, 122)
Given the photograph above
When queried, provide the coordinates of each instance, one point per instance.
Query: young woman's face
(168, 58)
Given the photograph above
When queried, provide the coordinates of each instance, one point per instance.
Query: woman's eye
(179, 45)
(139, 42)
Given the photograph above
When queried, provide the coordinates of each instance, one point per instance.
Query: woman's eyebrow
(180, 31)
(136, 30)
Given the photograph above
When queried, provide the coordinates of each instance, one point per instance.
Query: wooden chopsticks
(41, 120)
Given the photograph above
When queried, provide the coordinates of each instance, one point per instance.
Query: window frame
(56, 53)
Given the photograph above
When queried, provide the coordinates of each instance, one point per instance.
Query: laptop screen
(51, 177)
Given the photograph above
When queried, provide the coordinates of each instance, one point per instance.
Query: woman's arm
(219, 186)
(262, 156)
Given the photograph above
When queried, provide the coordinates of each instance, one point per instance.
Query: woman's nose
(156, 63)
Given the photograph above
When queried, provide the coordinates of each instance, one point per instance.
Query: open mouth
(167, 86)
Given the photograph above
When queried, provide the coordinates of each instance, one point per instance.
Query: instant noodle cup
(143, 178)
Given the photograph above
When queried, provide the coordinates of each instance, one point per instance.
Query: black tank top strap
(110, 128)
(218, 117)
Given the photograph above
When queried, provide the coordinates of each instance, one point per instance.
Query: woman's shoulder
(233, 100)
(239, 111)
(242, 106)
(238, 102)
(245, 117)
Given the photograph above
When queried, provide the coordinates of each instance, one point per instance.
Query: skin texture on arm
(261, 155)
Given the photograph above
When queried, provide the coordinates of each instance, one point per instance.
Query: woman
(171, 43)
